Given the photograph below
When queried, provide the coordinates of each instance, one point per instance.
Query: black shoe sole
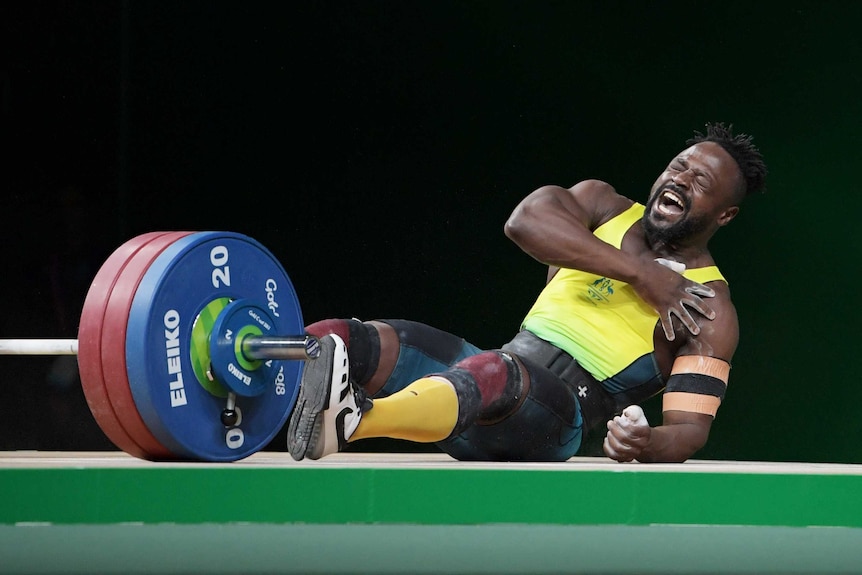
(313, 398)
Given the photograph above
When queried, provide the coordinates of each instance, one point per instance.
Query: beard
(676, 233)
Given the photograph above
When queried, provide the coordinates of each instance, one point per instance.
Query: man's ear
(728, 215)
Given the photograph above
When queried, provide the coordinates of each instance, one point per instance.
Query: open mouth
(670, 203)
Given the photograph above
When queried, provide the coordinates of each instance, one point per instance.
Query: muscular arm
(679, 437)
(554, 225)
(682, 433)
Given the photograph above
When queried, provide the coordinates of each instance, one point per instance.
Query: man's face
(694, 196)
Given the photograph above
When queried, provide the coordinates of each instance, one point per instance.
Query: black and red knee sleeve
(489, 386)
(363, 344)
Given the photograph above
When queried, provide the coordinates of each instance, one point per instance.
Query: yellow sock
(425, 411)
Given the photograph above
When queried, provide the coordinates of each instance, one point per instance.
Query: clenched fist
(628, 434)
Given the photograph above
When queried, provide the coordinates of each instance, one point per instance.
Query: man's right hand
(671, 294)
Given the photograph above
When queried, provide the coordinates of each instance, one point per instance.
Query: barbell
(180, 348)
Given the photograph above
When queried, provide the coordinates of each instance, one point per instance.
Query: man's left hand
(628, 435)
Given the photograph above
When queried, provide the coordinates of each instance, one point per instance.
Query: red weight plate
(90, 343)
(114, 331)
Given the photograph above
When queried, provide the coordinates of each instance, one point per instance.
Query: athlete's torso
(603, 323)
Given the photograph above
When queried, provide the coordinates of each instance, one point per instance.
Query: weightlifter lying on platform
(621, 319)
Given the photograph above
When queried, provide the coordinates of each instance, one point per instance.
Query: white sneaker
(328, 408)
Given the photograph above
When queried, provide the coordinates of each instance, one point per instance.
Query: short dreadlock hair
(741, 149)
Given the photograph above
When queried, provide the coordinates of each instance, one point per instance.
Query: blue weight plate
(180, 412)
(240, 319)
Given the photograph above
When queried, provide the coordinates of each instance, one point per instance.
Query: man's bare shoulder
(593, 186)
(600, 199)
(718, 337)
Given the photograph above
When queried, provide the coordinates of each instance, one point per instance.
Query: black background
(377, 147)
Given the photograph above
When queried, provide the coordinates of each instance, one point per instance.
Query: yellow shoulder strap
(613, 230)
(703, 275)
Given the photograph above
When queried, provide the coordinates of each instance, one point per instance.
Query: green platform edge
(218, 519)
(426, 496)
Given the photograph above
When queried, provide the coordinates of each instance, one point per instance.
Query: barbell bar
(253, 347)
(38, 347)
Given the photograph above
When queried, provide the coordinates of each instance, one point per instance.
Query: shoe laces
(361, 397)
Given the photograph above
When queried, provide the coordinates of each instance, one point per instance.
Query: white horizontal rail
(38, 347)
